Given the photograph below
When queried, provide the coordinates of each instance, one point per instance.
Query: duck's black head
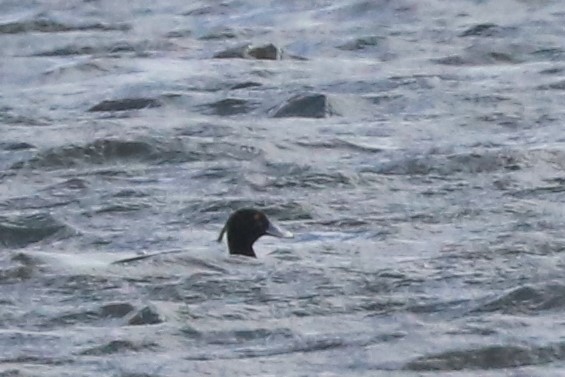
(245, 226)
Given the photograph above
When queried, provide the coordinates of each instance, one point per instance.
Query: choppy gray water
(416, 149)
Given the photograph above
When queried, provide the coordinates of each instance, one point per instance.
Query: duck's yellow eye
(258, 217)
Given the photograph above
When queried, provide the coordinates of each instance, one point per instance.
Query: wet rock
(306, 106)
(116, 310)
(229, 106)
(125, 104)
(267, 52)
(145, 316)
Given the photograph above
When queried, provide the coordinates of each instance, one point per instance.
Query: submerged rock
(306, 106)
(145, 316)
(126, 104)
(266, 52)
(116, 310)
(229, 106)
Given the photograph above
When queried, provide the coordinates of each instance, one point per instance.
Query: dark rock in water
(267, 52)
(125, 104)
(116, 310)
(25, 230)
(306, 106)
(146, 316)
(230, 106)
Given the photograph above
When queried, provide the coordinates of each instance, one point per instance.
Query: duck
(247, 225)
(242, 229)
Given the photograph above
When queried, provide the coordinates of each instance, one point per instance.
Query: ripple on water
(476, 161)
(217, 211)
(139, 48)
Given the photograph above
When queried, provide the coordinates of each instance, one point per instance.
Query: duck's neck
(237, 247)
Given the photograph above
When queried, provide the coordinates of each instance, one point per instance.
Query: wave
(489, 357)
(47, 24)
(154, 150)
(23, 230)
(527, 299)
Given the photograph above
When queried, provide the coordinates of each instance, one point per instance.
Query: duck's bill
(277, 231)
